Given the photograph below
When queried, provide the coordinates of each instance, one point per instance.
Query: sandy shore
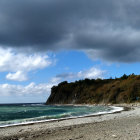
(123, 126)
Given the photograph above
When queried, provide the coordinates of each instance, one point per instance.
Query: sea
(19, 114)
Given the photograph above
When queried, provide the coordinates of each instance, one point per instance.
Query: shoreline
(48, 130)
(115, 109)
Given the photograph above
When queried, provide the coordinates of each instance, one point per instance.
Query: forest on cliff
(125, 89)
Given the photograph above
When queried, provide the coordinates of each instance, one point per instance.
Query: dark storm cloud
(104, 29)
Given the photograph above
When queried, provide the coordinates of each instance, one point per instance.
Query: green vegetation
(125, 89)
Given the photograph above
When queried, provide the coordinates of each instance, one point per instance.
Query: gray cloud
(92, 73)
(107, 30)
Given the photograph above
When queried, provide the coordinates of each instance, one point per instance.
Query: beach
(119, 126)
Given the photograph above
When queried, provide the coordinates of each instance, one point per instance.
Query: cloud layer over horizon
(31, 89)
(107, 30)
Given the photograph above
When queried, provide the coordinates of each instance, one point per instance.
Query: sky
(45, 42)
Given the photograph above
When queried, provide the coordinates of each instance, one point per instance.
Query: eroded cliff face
(120, 90)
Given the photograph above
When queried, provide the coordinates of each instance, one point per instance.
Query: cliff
(120, 90)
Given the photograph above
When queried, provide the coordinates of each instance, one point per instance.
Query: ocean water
(16, 114)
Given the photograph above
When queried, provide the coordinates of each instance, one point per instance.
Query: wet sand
(119, 126)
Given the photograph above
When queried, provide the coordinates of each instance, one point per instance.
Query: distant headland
(125, 89)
